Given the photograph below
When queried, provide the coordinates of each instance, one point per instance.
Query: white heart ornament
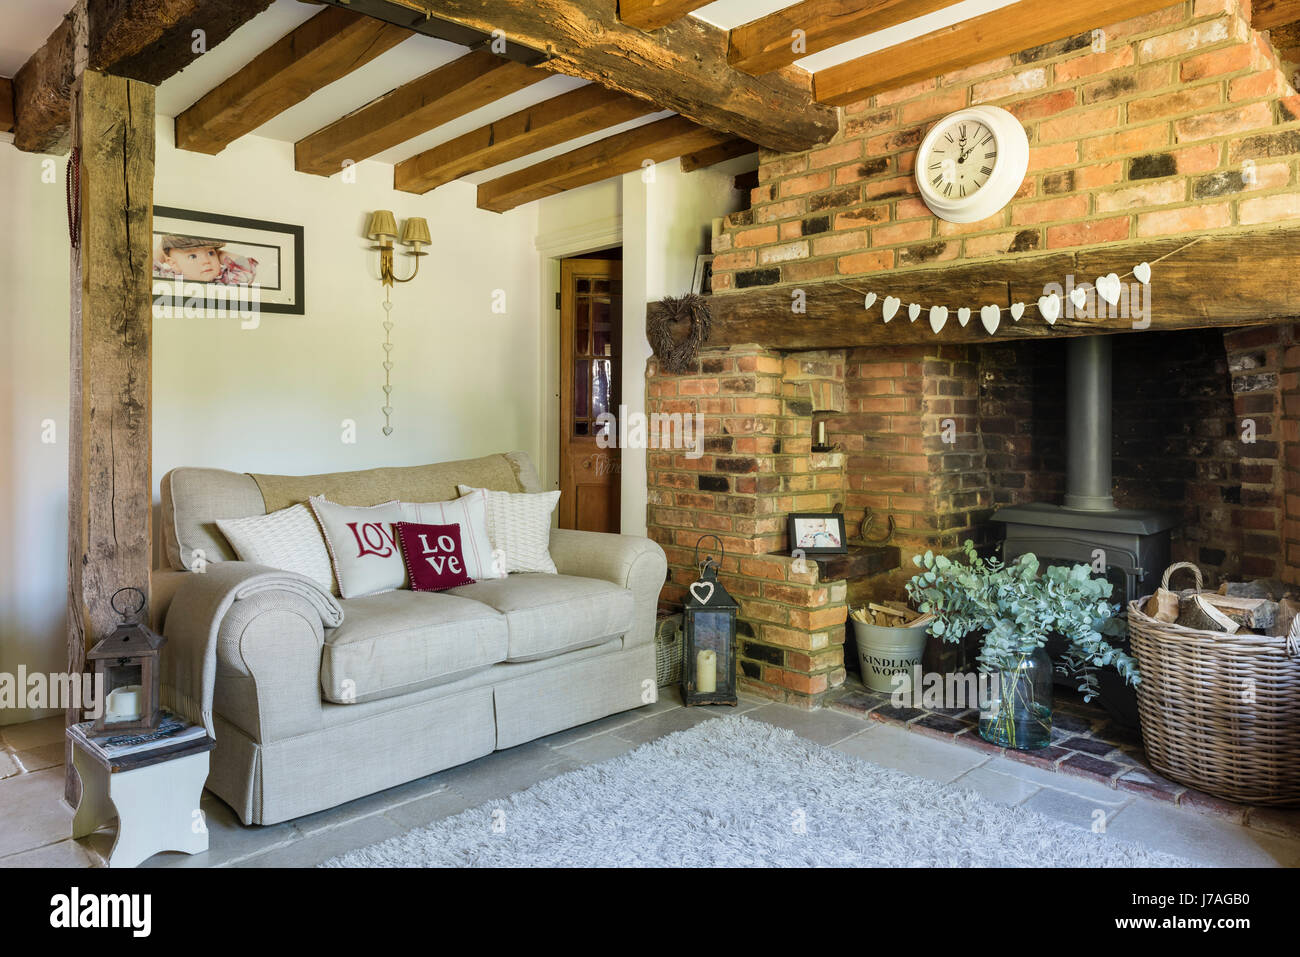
(1050, 308)
(1017, 310)
(938, 317)
(387, 410)
(388, 327)
(870, 301)
(708, 589)
(913, 312)
(1079, 296)
(388, 430)
(388, 390)
(890, 308)
(1142, 272)
(991, 317)
(963, 316)
(1108, 287)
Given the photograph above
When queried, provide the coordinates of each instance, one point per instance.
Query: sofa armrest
(268, 643)
(633, 562)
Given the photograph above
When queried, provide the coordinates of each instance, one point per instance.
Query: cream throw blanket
(189, 659)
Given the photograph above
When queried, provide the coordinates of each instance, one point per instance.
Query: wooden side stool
(154, 795)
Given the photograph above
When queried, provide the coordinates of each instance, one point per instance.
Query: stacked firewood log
(1263, 607)
(890, 614)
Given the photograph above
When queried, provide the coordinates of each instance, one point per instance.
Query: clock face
(962, 159)
(970, 164)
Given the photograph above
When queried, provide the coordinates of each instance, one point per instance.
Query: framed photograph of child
(225, 260)
(817, 533)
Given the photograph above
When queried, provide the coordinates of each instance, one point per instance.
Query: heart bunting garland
(1109, 288)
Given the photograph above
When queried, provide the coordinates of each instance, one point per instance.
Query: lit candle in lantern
(706, 671)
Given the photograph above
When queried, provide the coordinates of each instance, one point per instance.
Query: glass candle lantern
(708, 654)
(126, 666)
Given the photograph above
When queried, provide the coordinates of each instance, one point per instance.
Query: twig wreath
(674, 356)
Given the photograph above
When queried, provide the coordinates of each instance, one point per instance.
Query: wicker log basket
(1220, 712)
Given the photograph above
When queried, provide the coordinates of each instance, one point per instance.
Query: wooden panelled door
(591, 347)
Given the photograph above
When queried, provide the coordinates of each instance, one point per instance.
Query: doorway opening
(591, 352)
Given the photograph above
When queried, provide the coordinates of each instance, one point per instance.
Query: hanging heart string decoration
(1109, 288)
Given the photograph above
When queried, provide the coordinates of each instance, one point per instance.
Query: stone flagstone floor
(1086, 743)
(34, 821)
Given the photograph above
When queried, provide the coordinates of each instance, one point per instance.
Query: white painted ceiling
(24, 25)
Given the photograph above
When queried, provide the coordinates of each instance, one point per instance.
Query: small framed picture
(818, 533)
(702, 281)
(226, 263)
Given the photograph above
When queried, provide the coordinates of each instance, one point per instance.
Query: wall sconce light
(383, 231)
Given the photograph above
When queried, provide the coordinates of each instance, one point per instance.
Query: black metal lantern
(708, 655)
(127, 666)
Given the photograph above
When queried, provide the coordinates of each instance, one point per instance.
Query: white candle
(124, 703)
(706, 672)
(821, 433)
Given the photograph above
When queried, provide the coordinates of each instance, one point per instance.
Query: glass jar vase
(1016, 704)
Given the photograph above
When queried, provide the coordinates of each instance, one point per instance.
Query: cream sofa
(308, 716)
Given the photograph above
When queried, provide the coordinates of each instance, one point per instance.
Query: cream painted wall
(272, 398)
(34, 360)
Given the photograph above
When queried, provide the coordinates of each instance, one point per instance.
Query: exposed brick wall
(1149, 138)
(758, 467)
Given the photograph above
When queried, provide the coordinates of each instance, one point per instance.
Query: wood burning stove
(1131, 545)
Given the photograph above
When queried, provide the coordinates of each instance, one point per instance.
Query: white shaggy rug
(739, 793)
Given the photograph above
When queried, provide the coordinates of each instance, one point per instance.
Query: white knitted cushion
(363, 545)
(288, 539)
(519, 525)
(470, 513)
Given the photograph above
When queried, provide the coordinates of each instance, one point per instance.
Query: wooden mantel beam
(327, 47)
(1009, 29)
(1235, 280)
(146, 40)
(681, 67)
(1270, 14)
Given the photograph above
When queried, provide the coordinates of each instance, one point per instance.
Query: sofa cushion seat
(402, 641)
(552, 614)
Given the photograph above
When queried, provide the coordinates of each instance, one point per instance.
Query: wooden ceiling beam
(454, 89)
(622, 153)
(579, 112)
(6, 104)
(1010, 29)
(717, 154)
(146, 40)
(1270, 14)
(326, 48)
(653, 14)
(682, 67)
(1234, 280)
(768, 43)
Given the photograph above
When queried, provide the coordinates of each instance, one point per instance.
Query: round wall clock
(971, 163)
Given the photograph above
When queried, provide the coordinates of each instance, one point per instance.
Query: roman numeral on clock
(986, 170)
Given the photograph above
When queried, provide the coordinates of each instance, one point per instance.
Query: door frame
(553, 247)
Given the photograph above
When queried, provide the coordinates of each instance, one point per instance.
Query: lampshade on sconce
(415, 233)
(383, 227)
